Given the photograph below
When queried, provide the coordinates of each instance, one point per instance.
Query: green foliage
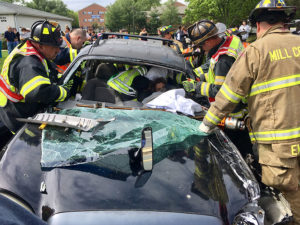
(14, 1)
(129, 14)
(294, 3)
(154, 22)
(170, 15)
(74, 16)
(54, 6)
(114, 17)
(145, 5)
(230, 12)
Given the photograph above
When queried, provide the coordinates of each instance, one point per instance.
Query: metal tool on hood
(65, 121)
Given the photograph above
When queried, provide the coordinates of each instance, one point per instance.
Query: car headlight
(245, 219)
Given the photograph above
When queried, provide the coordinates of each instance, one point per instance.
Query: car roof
(137, 51)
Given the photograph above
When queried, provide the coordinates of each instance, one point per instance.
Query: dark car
(136, 166)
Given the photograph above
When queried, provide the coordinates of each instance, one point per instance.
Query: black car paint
(107, 185)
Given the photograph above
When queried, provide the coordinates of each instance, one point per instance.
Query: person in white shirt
(246, 28)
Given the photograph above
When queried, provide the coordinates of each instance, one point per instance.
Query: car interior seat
(96, 89)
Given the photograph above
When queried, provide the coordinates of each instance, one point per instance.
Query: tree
(52, 6)
(154, 22)
(129, 14)
(113, 17)
(14, 1)
(74, 16)
(56, 7)
(145, 5)
(230, 12)
(170, 15)
(294, 3)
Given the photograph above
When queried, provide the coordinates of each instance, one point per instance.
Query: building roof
(90, 6)
(9, 9)
(160, 9)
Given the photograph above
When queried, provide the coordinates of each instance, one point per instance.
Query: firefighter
(130, 84)
(72, 43)
(221, 52)
(165, 32)
(27, 78)
(268, 72)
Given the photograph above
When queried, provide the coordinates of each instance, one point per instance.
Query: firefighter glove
(189, 85)
(206, 129)
(69, 84)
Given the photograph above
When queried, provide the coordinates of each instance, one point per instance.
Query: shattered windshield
(171, 132)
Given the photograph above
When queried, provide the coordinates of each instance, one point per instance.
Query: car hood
(193, 180)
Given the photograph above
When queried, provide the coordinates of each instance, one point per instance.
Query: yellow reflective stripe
(63, 94)
(45, 30)
(33, 84)
(73, 54)
(199, 71)
(275, 84)
(239, 114)
(219, 80)
(179, 78)
(277, 135)
(229, 94)
(191, 62)
(205, 89)
(206, 76)
(202, 88)
(212, 118)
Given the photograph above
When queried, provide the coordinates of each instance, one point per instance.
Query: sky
(76, 5)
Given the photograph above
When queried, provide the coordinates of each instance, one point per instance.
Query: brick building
(91, 14)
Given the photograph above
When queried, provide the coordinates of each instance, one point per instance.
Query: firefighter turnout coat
(26, 85)
(267, 73)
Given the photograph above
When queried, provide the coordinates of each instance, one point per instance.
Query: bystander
(10, 37)
(245, 28)
(17, 39)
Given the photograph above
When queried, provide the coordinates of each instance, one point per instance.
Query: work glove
(206, 129)
(68, 85)
(189, 85)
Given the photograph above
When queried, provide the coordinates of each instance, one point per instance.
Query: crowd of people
(255, 83)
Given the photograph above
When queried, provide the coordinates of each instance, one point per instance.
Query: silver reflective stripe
(219, 79)
(206, 89)
(2, 79)
(144, 71)
(276, 135)
(8, 97)
(131, 91)
(230, 96)
(212, 118)
(276, 84)
(24, 91)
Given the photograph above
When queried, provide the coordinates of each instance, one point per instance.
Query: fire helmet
(46, 33)
(266, 9)
(203, 30)
(165, 30)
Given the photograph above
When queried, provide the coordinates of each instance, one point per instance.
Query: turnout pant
(280, 164)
